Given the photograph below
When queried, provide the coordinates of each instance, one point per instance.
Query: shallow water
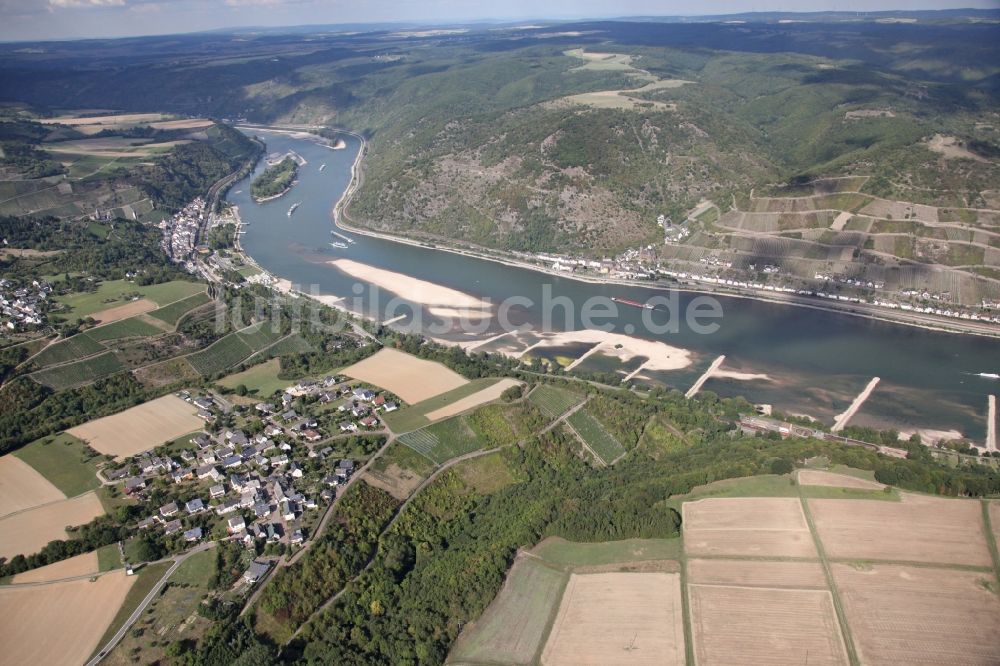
(818, 361)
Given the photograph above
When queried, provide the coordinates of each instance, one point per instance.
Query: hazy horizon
(44, 20)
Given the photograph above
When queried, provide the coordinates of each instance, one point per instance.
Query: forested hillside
(135, 167)
(579, 136)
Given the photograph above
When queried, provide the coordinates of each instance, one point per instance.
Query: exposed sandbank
(440, 300)
(660, 355)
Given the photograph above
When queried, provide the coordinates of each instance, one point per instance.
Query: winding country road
(402, 507)
(153, 593)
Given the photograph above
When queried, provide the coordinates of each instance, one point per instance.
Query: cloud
(249, 3)
(63, 4)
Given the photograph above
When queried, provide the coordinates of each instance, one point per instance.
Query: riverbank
(260, 200)
(341, 219)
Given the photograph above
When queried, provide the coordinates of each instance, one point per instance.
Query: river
(815, 361)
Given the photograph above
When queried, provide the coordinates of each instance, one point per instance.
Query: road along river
(800, 360)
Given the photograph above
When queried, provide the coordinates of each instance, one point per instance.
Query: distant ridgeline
(137, 166)
(275, 180)
(525, 139)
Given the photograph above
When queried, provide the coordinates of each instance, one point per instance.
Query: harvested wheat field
(512, 629)
(751, 573)
(21, 487)
(618, 618)
(59, 623)
(995, 520)
(758, 526)
(140, 428)
(920, 615)
(488, 394)
(27, 532)
(917, 529)
(412, 379)
(81, 565)
(745, 625)
(188, 123)
(815, 477)
(129, 309)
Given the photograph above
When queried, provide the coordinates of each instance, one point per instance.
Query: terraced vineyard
(82, 372)
(596, 437)
(259, 336)
(124, 328)
(293, 344)
(421, 441)
(553, 401)
(69, 349)
(444, 440)
(173, 313)
(220, 355)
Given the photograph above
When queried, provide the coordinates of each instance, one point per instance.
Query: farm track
(59, 339)
(443, 468)
(287, 562)
(838, 606)
(153, 593)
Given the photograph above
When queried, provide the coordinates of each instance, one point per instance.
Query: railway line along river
(800, 360)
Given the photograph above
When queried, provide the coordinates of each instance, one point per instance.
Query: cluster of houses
(852, 281)
(643, 264)
(359, 407)
(180, 231)
(256, 481)
(255, 484)
(628, 265)
(22, 307)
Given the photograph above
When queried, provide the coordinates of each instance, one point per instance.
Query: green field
(514, 627)
(293, 344)
(491, 426)
(260, 380)
(82, 372)
(405, 457)
(69, 349)
(553, 401)
(773, 485)
(147, 577)
(173, 313)
(486, 474)
(571, 554)
(220, 355)
(512, 630)
(117, 292)
(196, 570)
(413, 417)
(596, 437)
(444, 440)
(259, 336)
(65, 461)
(133, 327)
(108, 558)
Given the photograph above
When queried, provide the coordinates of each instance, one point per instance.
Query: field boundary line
(55, 581)
(580, 438)
(426, 482)
(838, 607)
(154, 592)
(747, 529)
(910, 563)
(39, 506)
(772, 588)
(991, 541)
(553, 612)
(689, 654)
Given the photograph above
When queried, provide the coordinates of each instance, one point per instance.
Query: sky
(73, 19)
